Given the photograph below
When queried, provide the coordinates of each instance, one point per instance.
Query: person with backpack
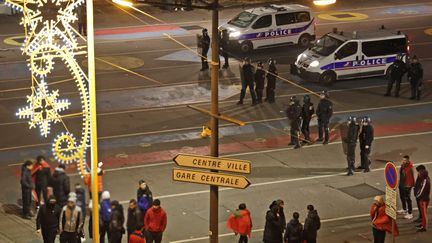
(144, 197)
(294, 230)
(241, 223)
(134, 219)
(155, 222)
(105, 216)
(312, 225)
(60, 184)
(116, 229)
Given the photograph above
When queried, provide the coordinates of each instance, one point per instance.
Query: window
(263, 22)
(243, 20)
(384, 47)
(326, 45)
(284, 19)
(302, 17)
(347, 50)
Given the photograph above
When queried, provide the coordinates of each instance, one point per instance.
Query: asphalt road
(144, 122)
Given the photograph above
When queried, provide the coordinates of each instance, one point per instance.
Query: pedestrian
(294, 230)
(90, 223)
(294, 112)
(61, 185)
(105, 216)
(273, 228)
(144, 197)
(205, 46)
(135, 219)
(247, 81)
(271, 81)
(224, 45)
(116, 229)
(241, 223)
(259, 78)
(82, 19)
(87, 181)
(415, 76)
(281, 205)
(307, 113)
(47, 220)
(417, 187)
(26, 188)
(178, 2)
(71, 221)
(351, 141)
(398, 69)
(137, 236)
(406, 183)
(42, 174)
(155, 222)
(81, 202)
(366, 138)
(324, 113)
(312, 225)
(423, 198)
(381, 222)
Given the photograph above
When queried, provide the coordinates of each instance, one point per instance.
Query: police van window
(302, 17)
(243, 20)
(326, 45)
(384, 47)
(263, 22)
(347, 50)
(285, 18)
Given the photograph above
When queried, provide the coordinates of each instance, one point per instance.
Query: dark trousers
(243, 239)
(305, 130)
(391, 81)
(26, 201)
(270, 90)
(245, 85)
(115, 236)
(323, 127)
(104, 230)
(415, 89)
(259, 93)
(224, 53)
(49, 235)
(68, 237)
(311, 241)
(379, 236)
(405, 197)
(44, 191)
(155, 237)
(204, 63)
(82, 28)
(351, 157)
(295, 132)
(364, 157)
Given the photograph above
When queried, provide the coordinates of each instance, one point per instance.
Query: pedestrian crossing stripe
(14, 40)
(343, 16)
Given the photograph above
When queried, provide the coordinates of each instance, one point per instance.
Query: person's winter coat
(294, 231)
(240, 222)
(155, 220)
(87, 181)
(324, 110)
(422, 193)
(366, 135)
(61, 185)
(380, 220)
(144, 199)
(42, 174)
(26, 178)
(134, 219)
(81, 200)
(137, 237)
(273, 226)
(116, 228)
(48, 217)
(105, 211)
(312, 225)
(406, 173)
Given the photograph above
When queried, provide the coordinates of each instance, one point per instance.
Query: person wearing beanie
(105, 215)
(381, 222)
(155, 222)
(241, 223)
(61, 185)
(26, 188)
(71, 221)
(47, 220)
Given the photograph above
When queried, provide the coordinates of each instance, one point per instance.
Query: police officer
(259, 81)
(324, 112)
(366, 137)
(351, 141)
(271, 81)
(247, 81)
(205, 46)
(307, 112)
(224, 43)
(415, 76)
(294, 113)
(398, 69)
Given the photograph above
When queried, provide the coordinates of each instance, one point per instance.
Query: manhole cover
(361, 191)
(192, 27)
(343, 16)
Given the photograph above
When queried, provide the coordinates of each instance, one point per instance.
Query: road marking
(13, 40)
(377, 19)
(343, 16)
(428, 31)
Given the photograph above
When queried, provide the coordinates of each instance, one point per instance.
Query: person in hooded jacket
(105, 216)
(116, 229)
(312, 225)
(42, 174)
(155, 222)
(406, 183)
(381, 222)
(241, 223)
(134, 219)
(144, 197)
(294, 230)
(274, 226)
(47, 220)
(26, 188)
(61, 185)
(422, 195)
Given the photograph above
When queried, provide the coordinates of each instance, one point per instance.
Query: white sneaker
(408, 216)
(401, 211)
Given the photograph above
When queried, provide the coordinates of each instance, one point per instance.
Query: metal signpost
(392, 179)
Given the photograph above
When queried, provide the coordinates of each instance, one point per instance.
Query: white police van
(341, 55)
(271, 25)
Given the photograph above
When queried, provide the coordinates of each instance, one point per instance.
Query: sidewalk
(13, 228)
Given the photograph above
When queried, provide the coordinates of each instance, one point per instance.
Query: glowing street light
(324, 2)
(123, 3)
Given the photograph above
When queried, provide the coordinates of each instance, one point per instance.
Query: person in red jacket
(381, 222)
(155, 222)
(406, 183)
(422, 195)
(137, 236)
(241, 223)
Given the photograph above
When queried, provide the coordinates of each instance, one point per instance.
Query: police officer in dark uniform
(247, 81)
(324, 112)
(307, 112)
(415, 76)
(205, 46)
(259, 81)
(351, 141)
(366, 137)
(224, 43)
(271, 81)
(398, 69)
(294, 113)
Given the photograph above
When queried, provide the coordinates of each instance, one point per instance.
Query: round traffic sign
(391, 175)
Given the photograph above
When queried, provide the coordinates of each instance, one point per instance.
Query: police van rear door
(262, 31)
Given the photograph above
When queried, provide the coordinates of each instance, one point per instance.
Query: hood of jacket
(294, 222)
(313, 214)
(423, 174)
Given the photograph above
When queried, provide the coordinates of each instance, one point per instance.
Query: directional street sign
(391, 200)
(213, 163)
(210, 178)
(391, 175)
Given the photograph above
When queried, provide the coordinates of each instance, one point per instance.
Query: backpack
(143, 203)
(106, 211)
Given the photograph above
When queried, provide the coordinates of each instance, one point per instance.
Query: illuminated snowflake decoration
(43, 109)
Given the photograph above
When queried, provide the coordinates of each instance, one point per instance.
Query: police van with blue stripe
(270, 26)
(339, 55)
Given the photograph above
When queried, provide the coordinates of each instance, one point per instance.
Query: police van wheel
(327, 78)
(246, 47)
(304, 40)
